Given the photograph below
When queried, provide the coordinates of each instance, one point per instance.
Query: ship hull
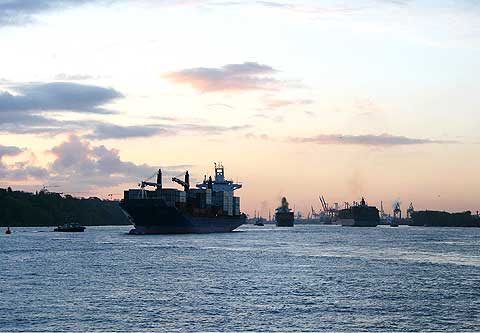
(151, 217)
(353, 223)
(284, 219)
(69, 230)
(359, 216)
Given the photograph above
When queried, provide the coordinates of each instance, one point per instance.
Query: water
(307, 278)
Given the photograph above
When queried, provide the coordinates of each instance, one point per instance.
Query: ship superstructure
(210, 207)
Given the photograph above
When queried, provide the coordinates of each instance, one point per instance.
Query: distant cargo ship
(209, 208)
(359, 215)
(284, 216)
(431, 218)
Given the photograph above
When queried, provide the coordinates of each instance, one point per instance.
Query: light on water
(303, 278)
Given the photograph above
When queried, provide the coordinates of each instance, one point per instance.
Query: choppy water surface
(259, 278)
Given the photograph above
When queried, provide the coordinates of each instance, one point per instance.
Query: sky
(374, 98)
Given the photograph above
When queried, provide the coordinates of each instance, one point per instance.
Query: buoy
(8, 231)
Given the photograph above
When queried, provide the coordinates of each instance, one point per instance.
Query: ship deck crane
(158, 184)
(185, 183)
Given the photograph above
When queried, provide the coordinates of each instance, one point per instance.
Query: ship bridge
(219, 183)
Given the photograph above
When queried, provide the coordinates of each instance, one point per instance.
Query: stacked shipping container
(197, 199)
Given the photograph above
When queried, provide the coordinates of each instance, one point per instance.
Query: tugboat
(211, 207)
(284, 217)
(70, 227)
(359, 215)
(259, 222)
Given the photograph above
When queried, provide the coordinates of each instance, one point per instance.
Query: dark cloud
(22, 171)
(24, 108)
(231, 77)
(366, 140)
(57, 96)
(13, 12)
(9, 151)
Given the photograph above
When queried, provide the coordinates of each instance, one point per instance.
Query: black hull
(71, 230)
(359, 216)
(153, 217)
(354, 223)
(284, 219)
(429, 218)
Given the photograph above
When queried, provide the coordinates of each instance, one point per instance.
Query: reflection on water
(259, 279)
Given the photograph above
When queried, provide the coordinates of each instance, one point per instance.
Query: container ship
(284, 216)
(359, 215)
(209, 208)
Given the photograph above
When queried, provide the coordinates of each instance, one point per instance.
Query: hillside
(23, 209)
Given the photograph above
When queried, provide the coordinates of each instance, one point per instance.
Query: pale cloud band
(230, 77)
(365, 140)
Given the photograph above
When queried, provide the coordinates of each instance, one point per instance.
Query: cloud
(104, 131)
(272, 117)
(365, 140)
(110, 131)
(18, 170)
(57, 96)
(14, 12)
(270, 104)
(9, 151)
(26, 123)
(221, 106)
(22, 171)
(231, 77)
(253, 136)
(18, 12)
(78, 164)
(210, 129)
(73, 77)
(24, 108)
(311, 8)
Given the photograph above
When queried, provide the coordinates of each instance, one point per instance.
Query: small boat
(259, 223)
(8, 231)
(70, 227)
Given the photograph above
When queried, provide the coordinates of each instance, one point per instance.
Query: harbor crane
(397, 211)
(410, 210)
(331, 212)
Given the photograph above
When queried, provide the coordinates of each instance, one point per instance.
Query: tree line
(24, 209)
